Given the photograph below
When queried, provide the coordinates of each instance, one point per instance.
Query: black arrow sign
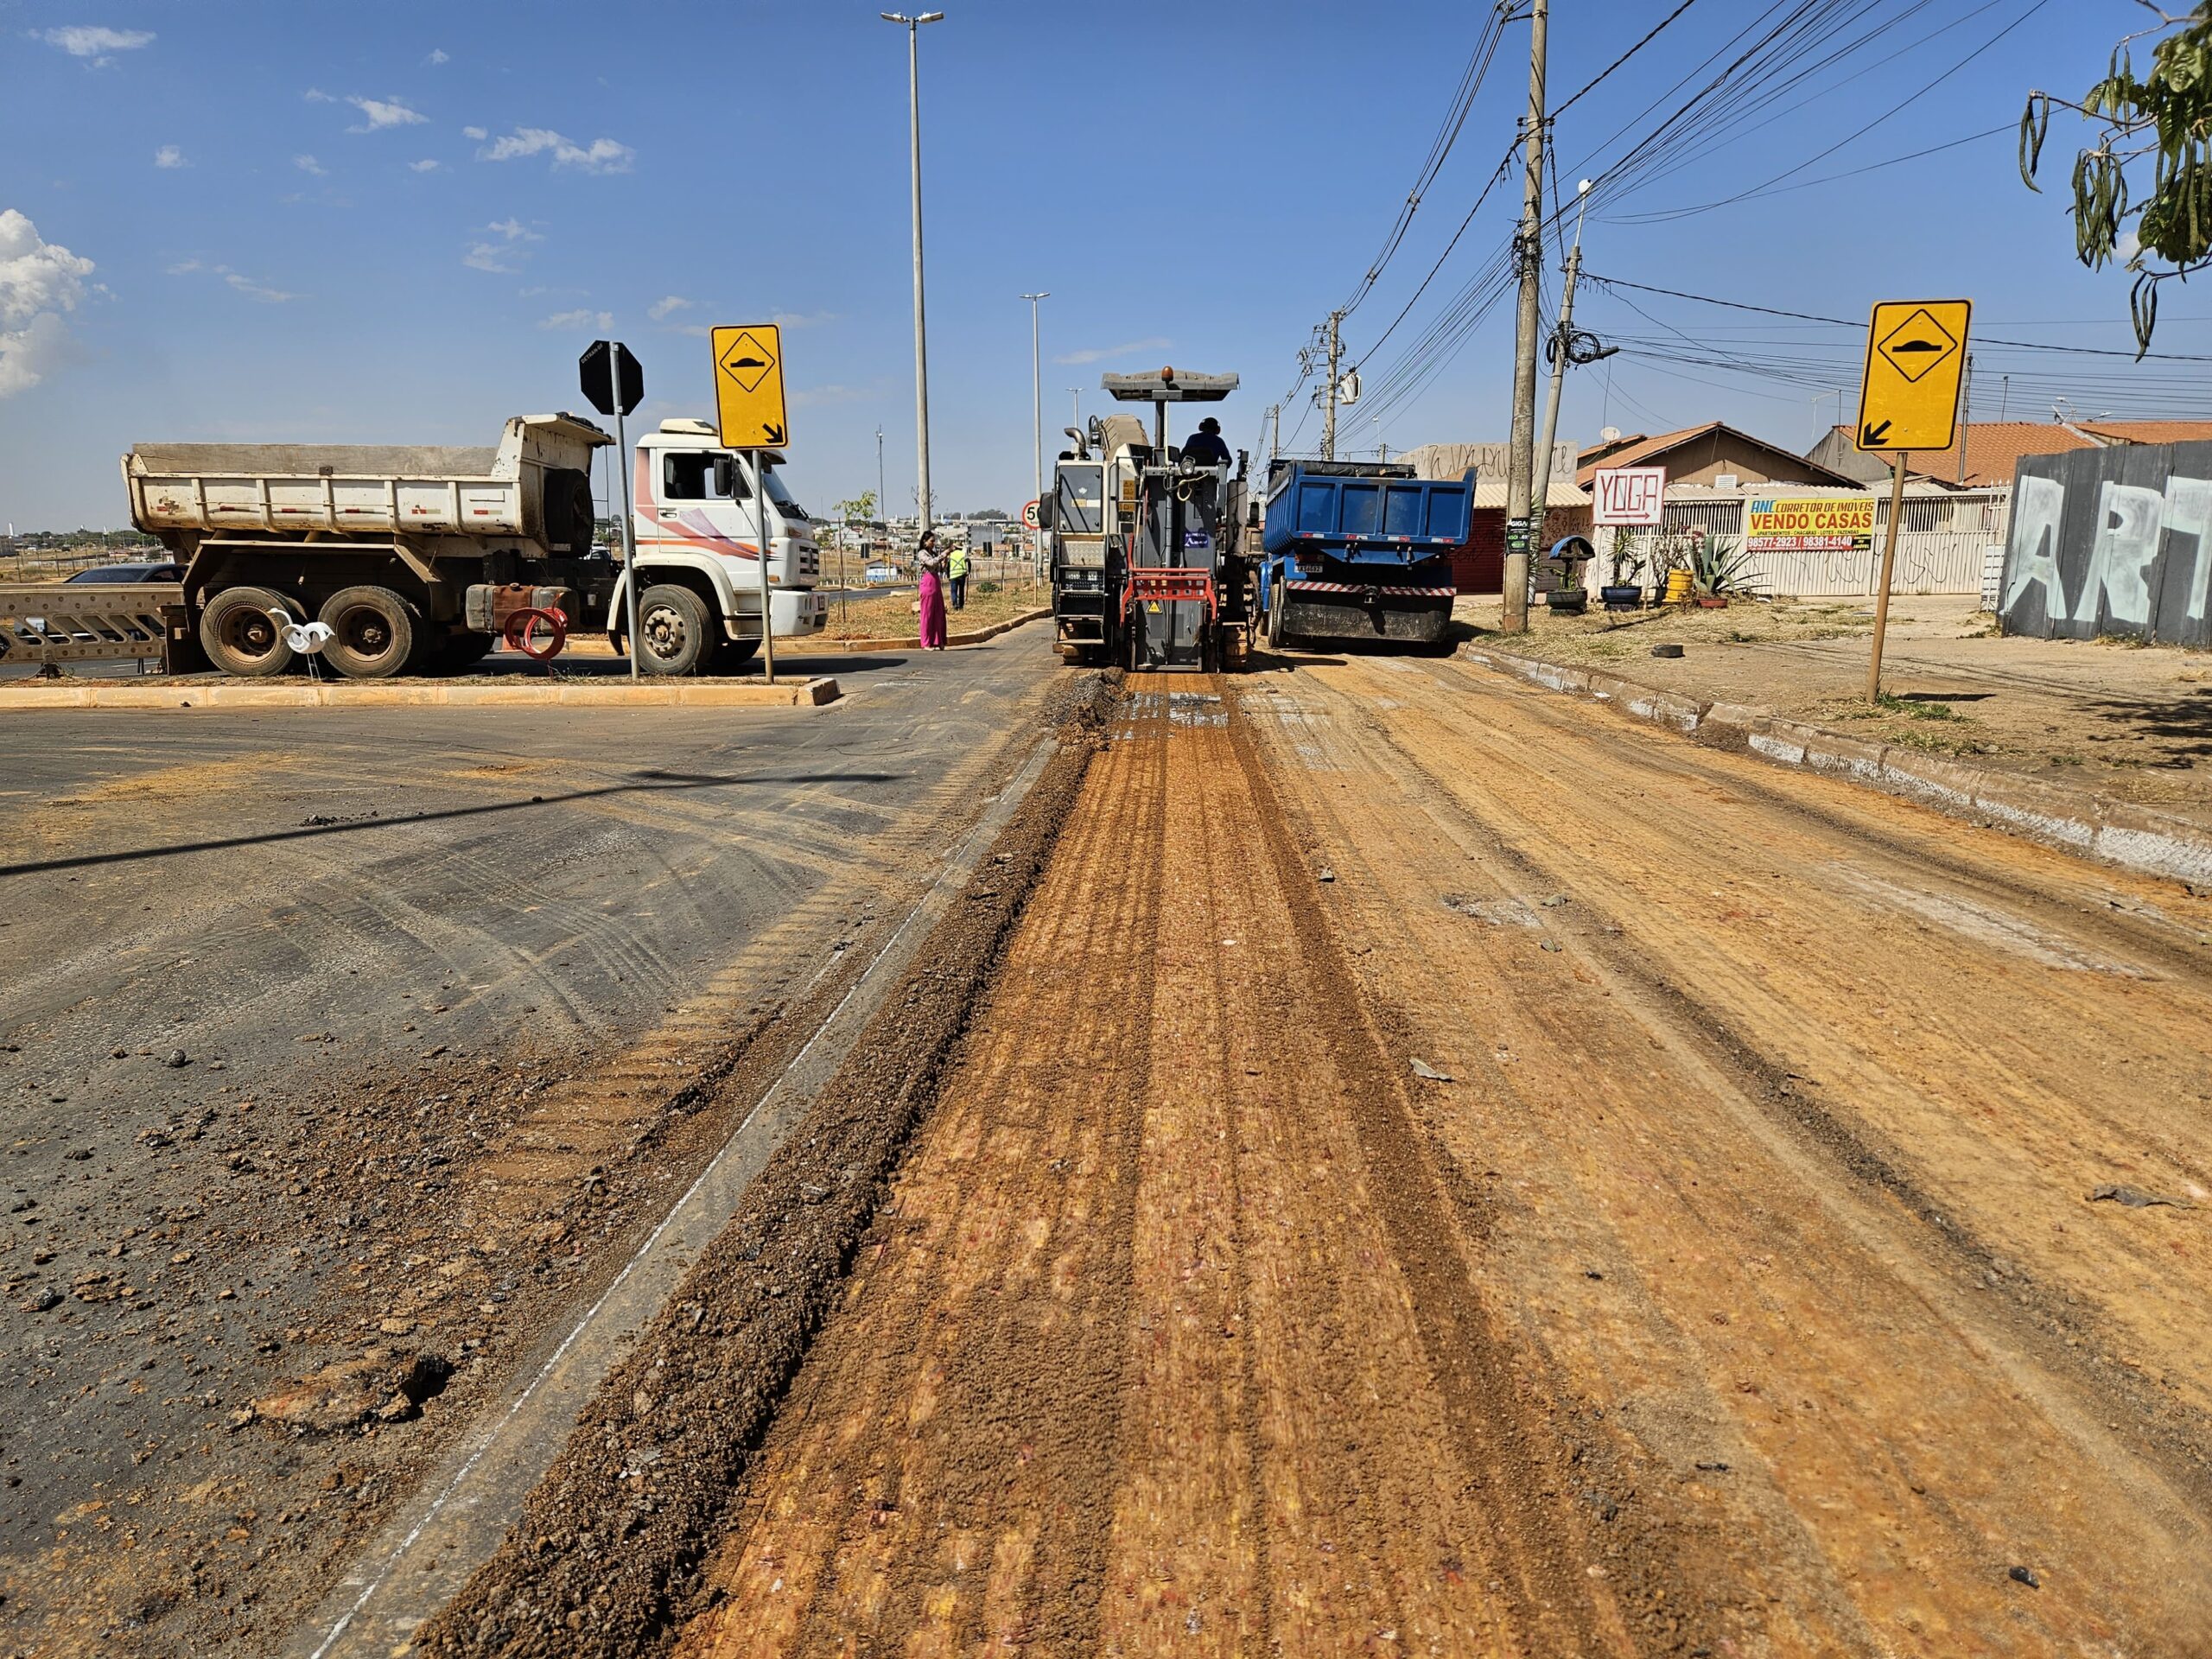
(775, 433)
(1874, 437)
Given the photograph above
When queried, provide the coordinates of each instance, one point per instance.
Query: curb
(2079, 821)
(915, 643)
(573, 694)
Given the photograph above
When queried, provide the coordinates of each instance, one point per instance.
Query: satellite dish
(308, 638)
(1609, 434)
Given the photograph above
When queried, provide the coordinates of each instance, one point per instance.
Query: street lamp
(912, 25)
(1037, 420)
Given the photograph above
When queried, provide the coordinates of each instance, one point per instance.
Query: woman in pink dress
(930, 563)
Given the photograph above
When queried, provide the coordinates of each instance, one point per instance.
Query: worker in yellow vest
(957, 570)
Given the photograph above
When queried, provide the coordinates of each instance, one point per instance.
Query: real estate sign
(1628, 495)
(1817, 524)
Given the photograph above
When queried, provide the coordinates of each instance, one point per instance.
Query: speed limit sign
(1029, 515)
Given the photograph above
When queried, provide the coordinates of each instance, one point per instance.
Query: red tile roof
(1992, 448)
(1631, 451)
(2149, 432)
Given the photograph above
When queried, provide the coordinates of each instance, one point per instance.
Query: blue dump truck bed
(1353, 508)
(1359, 550)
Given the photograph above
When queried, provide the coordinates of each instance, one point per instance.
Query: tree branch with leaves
(2158, 126)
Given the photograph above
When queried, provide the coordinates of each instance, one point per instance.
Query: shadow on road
(647, 782)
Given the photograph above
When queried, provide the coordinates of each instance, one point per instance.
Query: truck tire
(1275, 616)
(374, 632)
(676, 635)
(732, 655)
(239, 631)
(463, 648)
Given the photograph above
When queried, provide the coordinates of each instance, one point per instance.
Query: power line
(1592, 85)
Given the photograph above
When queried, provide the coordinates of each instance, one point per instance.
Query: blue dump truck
(1359, 550)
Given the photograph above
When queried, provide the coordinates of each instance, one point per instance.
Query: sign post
(1907, 400)
(749, 405)
(614, 383)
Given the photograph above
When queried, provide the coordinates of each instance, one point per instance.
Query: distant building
(1989, 450)
(1479, 566)
(1714, 455)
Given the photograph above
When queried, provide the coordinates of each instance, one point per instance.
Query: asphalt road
(275, 982)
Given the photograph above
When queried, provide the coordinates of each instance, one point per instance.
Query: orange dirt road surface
(1445, 1170)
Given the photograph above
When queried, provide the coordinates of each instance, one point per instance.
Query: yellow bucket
(1679, 584)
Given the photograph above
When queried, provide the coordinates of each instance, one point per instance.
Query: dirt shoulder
(2130, 722)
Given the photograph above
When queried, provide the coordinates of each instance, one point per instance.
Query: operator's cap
(1209, 424)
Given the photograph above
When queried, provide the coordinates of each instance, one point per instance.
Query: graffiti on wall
(2111, 542)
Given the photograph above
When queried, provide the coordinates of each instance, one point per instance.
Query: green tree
(2158, 127)
(861, 506)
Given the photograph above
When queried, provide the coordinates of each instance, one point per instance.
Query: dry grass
(892, 616)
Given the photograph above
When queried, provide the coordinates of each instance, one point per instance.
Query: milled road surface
(1445, 1169)
(343, 1056)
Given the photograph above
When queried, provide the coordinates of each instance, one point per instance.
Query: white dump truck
(418, 558)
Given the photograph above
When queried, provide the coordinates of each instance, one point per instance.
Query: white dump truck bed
(292, 489)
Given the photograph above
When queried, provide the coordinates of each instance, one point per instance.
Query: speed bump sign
(749, 386)
(1915, 357)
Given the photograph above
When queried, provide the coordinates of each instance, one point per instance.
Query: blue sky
(327, 222)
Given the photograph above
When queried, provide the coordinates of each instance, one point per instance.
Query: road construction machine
(1148, 563)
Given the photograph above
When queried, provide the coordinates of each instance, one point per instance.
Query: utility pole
(1328, 393)
(1037, 426)
(913, 28)
(882, 501)
(1521, 463)
(1274, 439)
(1540, 489)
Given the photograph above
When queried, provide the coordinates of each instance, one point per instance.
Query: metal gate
(54, 622)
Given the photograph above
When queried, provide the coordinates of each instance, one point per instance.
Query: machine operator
(1205, 447)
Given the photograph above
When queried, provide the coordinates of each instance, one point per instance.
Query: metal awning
(1169, 386)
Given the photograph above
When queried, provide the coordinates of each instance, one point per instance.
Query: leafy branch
(2161, 124)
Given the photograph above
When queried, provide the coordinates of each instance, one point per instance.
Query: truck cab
(697, 522)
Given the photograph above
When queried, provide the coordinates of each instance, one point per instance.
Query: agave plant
(1720, 566)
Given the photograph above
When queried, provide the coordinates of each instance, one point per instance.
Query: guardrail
(53, 622)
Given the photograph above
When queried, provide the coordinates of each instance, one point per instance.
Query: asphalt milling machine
(1148, 566)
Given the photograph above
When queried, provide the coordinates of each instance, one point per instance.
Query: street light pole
(913, 26)
(1036, 426)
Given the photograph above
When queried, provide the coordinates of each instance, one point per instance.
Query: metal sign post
(1908, 399)
(615, 385)
(760, 513)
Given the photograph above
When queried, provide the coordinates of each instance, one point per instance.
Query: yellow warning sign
(749, 386)
(1915, 357)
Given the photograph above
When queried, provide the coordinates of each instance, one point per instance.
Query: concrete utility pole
(1328, 393)
(1274, 430)
(1540, 489)
(1520, 533)
(1037, 420)
(913, 28)
(882, 501)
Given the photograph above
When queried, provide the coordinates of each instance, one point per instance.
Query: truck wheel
(732, 655)
(675, 633)
(1275, 616)
(374, 632)
(464, 650)
(241, 634)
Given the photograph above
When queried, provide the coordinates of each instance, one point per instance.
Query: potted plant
(1720, 567)
(1624, 593)
(1569, 554)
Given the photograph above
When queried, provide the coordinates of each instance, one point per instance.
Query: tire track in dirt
(1680, 1255)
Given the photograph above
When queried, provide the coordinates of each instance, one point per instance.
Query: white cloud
(39, 281)
(565, 319)
(82, 40)
(169, 155)
(308, 164)
(603, 156)
(425, 165)
(488, 256)
(1099, 355)
(513, 230)
(822, 397)
(437, 56)
(316, 95)
(803, 319)
(476, 133)
(385, 113)
(237, 281)
(661, 310)
(695, 330)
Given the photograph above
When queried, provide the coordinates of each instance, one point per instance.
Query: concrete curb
(2121, 833)
(364, 694)
(915, 644)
